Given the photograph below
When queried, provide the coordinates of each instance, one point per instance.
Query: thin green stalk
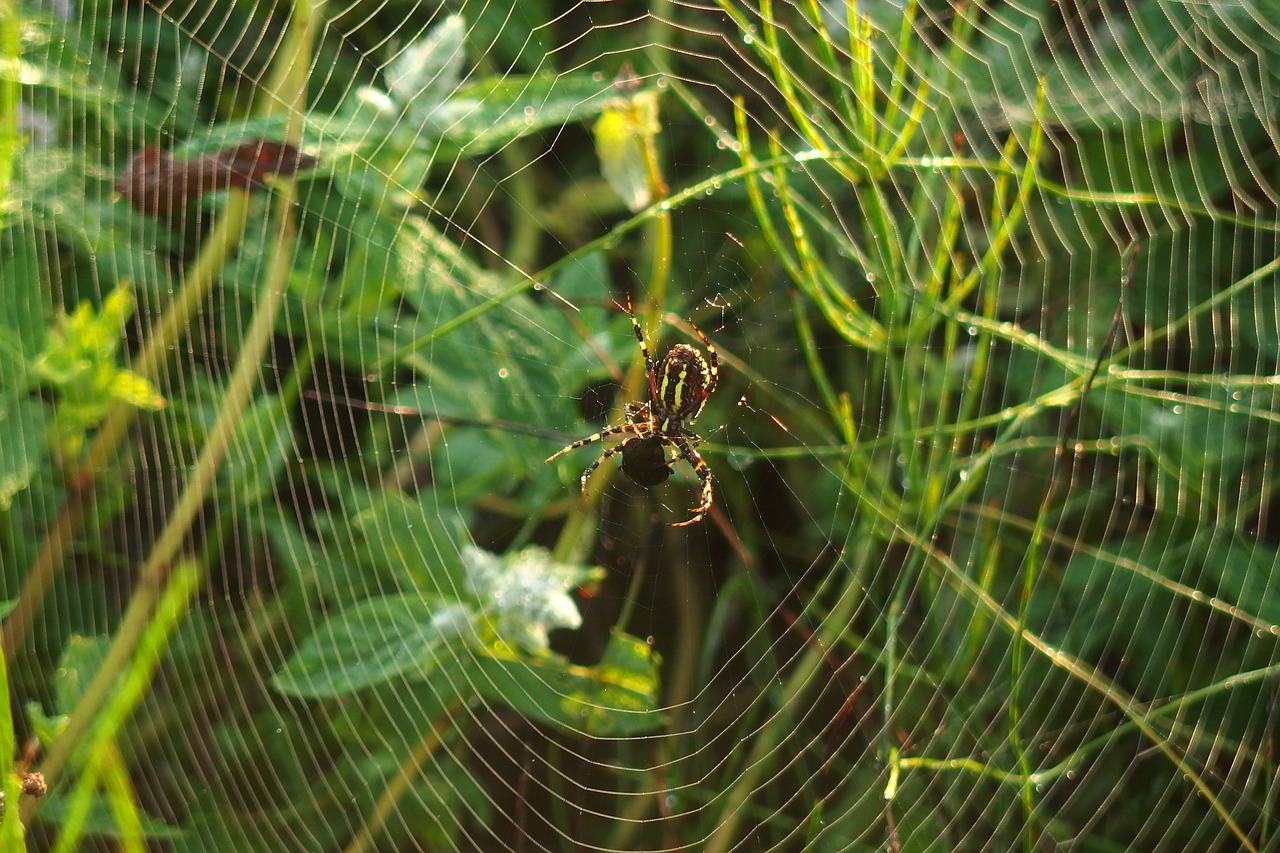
(1082, 671)
(846, 315)
(902, 72)
(10, 95)
(101, 454)
(1017, 670)
(915, 120)
(123, 680)
(843, 314)
(1006, 222)
(991, 545)
(771, 51)
(826, 48)
(287, 90)
(794, 692)
(122, 799)
(943, 263)
(408, 772)
(887, 254)
(817, 371)
(1219, 298)
(524, 242)
(577, 533)
(11, 831)
(889, 701)
(154, 573)
(859, 466)
(1175, 708)
(864, 78)
(606, 241)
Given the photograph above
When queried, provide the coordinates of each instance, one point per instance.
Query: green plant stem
(783, 721)
(605, 241)
(286, 92)
(576, 535)
(10, 94)
(525, 240)
(154, 573)
(164, 336)
(129, 674)
(1079, 669)
(11, 832)
(399, 784)
(1032, 562)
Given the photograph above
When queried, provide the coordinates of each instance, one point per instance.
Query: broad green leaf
(24, 305)
(101, 823)
(616, 697)
(23, 423)
(81, 661)
(259, 450)
(409, 540)
(444, 795)
(274, 127)
(62, 78)
(586, 277)
(137, 391)
(487, 115)
(1245, 574)
(374, 641)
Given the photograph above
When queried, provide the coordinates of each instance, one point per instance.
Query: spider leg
(644, 349)
(604, 457)
(592, 439)
(688, 454)
(637, 413)
(713, 357)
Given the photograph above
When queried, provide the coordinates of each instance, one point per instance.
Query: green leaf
(585, 277)
(137, 391)
(408, 539)
(24, 307)
(23, 423)
(79, 361)
(373, 642)
(614, 698)
(1245, 573)
(259, 450)
(65, 75)
(1202, 453)
(80, 663)
(443, 797)
(100, 821)
(489, 114)
(276, 128)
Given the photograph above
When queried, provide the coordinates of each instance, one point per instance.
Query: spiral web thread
(992, 562)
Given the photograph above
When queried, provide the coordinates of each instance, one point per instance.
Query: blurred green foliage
(993, 558)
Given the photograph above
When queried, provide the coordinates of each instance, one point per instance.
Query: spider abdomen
(645, 462)
(683, 387)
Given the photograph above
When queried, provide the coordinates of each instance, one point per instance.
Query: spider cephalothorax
(679, 386)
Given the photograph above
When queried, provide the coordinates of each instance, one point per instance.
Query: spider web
(992, 558)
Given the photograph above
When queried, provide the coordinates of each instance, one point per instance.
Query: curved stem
(154, 574)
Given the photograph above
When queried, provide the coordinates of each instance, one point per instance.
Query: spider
(679, 386)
